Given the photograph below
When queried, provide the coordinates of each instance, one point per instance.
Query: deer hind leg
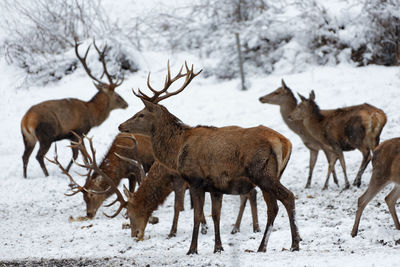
(179, 191)
(236, 227)
(343, 164)
(375, 185)
(198, 204)
(313, 160)
(366, 159)
(331, 160)
(29, 146)
(216, 203)
(43, 149)
(391, 199)
(75, 152)
(272, 206)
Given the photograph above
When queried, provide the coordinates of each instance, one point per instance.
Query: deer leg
(375, 185)
(330, 169)
(285, 196)
(179, 191)
(313, 160)
(343, 164)
(236, 227)
(253, 206)
(44, 147)
(391, 199)
(198, 204)
(29, 146)
(364, 164)
(335, 179)
(75, 153)
(216, 203)
(272, 211)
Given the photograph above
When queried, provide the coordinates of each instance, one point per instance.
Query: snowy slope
(34, 212)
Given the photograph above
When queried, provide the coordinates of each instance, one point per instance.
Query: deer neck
(167, 138)
(99, 108)
(314, 125)
(286, 108)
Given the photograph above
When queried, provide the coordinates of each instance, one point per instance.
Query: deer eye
(141, 116)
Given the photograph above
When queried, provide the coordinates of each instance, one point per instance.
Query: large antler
(73, 184)
(102, 53)
(168, 81)
(90, 163)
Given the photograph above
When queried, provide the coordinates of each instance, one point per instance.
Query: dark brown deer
(344, 129)
(385, 170)
(284, 98)
(217, 160)
(55, 120)
(117, 169)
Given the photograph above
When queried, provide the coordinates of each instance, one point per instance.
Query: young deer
(355, 127)
(54, 120)
(385, 170)
(284, 98)
(217, 160)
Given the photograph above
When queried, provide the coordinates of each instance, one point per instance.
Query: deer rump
(225, 159)
(348, 127)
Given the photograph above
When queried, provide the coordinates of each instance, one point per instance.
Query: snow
(34, 212)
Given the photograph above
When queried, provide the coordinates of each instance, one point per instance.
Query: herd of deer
(162, 154)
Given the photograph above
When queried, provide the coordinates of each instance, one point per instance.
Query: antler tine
(83, 61)
(103, 61)
(73, 182)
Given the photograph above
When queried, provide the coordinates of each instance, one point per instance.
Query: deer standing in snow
(284, 98)
(355, 127)
(385, 170)
(229, 160)
(54, 120)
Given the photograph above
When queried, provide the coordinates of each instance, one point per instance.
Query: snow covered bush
(40, 36)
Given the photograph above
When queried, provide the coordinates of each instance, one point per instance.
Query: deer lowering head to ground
(284, 98)
(385, 170)
(344, 129)
(54, 120)
(218, 160)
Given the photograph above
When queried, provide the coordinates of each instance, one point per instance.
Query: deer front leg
(179, 190)
(313, 160)
(331, 160)
(363, 166)
(198, 203)
(343, 164)
(216, 203)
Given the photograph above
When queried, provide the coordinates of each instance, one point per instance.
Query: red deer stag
(355, 127)
(216, 160)
(54, 120)
(385, 170)
(284, 98)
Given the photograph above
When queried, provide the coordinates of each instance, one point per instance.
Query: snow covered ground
(34, 212)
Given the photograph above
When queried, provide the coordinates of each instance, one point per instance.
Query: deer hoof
(218, 249)
(235, 230)
(256, 230)
(192, 251)
(171, 235)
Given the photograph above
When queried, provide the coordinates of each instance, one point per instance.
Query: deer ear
(283, 84)
(312, 95)
(101, 87)
(149, 105)
(302, 97)
(127, 193)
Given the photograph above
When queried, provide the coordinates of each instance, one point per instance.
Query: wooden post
(240, 61)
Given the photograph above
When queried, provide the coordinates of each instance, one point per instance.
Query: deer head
(140, 123)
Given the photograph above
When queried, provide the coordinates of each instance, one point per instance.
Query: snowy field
(34, 226)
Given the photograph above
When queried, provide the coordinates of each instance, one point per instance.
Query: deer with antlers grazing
(284, 98)
(355, 127)
(385, 170)
(54, 120)
(230, 160)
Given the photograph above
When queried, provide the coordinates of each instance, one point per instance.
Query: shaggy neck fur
(152, 192)
(167, 136)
